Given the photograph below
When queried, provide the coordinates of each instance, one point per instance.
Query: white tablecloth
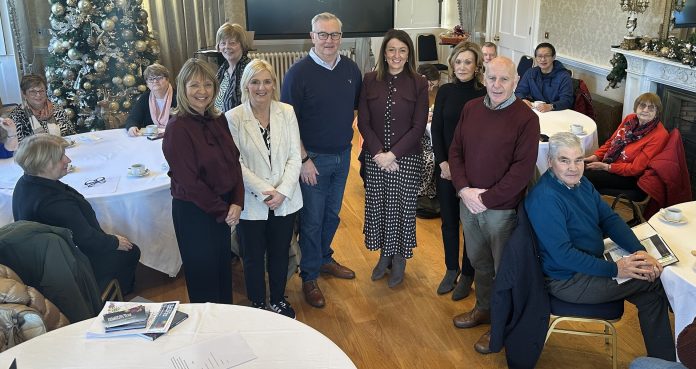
(277, 341)
(139, 208)
(559, 121)
(679, 280)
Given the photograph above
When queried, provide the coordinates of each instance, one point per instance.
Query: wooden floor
(409, 326)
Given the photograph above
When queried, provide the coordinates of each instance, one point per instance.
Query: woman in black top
(232, 42)
(466, 69)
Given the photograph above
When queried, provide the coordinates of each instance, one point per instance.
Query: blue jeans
(319, 215)
(645, 362)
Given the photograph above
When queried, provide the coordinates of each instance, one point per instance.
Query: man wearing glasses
(547, 86)
(324, 89)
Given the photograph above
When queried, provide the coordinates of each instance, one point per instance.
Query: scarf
(44, 113)
(633, 131)
(161, 117)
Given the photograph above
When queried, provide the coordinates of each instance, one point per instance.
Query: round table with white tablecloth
(553, 122)
(679, 280)
(275, 340)
(138, 208)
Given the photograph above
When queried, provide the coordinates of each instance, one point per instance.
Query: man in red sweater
(492, 159)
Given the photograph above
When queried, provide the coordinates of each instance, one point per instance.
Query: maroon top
(410, 112)
(495, 150)
(203, 163)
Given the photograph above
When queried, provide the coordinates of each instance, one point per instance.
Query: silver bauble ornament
(140, 45)
(87, 85)
(61, 102)
(71, 2)
(127, 34)
(117, 80)
(108, 8)
(68, 75)
(120, 3)
(57, 9)
(99, 66)
(108, 25)
(142, 88)
(84, 6)
(69, 113)
(73, 54)
(128, 80)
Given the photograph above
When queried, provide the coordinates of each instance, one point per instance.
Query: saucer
(145, 173)
(71, 143)
(583, 133)
(680, 221)
(150, 134)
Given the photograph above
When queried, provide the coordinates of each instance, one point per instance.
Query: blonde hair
(195, 68)
(235, 32)
(255, 66)
(154, 70)
(478, 59)
(37, 152)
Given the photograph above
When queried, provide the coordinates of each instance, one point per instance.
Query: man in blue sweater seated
(570, 218)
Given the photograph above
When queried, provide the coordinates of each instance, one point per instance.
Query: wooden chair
(112, 292)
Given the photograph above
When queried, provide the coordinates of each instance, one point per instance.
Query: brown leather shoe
(472, 318)
(312, 294)
(337, 270)
(483, 345)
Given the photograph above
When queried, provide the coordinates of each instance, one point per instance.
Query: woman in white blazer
(266, 133)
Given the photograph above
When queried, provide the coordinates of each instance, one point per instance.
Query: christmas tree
(98, 51)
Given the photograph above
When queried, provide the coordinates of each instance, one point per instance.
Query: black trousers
(205, 251)
(261, 238)
(449, 214)
(115, 264)
(648, 297)
(602, 179)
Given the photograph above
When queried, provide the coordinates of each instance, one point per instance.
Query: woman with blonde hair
(207, 187)
(153, 106)
(466, 65)
(231, 40)
(267, 135)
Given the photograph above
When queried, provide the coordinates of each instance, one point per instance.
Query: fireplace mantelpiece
(646, 71)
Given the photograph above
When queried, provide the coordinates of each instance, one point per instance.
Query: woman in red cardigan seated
(623, 158)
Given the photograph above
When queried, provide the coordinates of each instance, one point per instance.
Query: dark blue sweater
(324, 102)
(554, 88)
(570, 224)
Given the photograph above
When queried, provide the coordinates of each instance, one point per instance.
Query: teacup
(137, 170)
(151, 129)
(672, 214)
(538, 104)
(576, 129)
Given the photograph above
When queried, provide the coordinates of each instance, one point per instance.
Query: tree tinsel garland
(682, 51)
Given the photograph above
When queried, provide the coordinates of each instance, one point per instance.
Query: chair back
(427, 47)
(526, 62)
(582, 98)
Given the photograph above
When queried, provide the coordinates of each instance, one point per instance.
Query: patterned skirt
(390, 205)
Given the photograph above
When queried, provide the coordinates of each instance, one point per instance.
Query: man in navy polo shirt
(324, 89)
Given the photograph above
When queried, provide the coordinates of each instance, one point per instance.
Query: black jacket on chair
(519, 302)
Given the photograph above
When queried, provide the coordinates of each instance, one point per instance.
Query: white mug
(672, 214)
(137, 170)
(151, 129)
(576, 129)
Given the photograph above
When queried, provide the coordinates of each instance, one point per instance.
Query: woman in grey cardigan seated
(40, 197)
(154, 106)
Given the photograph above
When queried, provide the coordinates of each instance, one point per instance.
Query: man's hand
(233, 214)
(445, 171)
(543, 108)
(636, 266)
(654, 270)
(309, 173)
(123, 243)
(472, 199)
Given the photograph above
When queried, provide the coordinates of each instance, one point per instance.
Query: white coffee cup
(151, 129)
(672, 214)
(576, 129)
(538, 104)
(137, 170)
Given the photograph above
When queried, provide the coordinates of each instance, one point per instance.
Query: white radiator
(283, 60)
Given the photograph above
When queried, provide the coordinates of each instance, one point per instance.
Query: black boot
(381, 267)
(398, 269)
(448, 281)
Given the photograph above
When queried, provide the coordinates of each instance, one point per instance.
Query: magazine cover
(159, 318)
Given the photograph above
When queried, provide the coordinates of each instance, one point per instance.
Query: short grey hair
(325, 17)
(37, 152)
(561, 140)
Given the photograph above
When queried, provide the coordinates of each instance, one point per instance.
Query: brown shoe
(483, 345)
(337, 270)
(312, 294)
(472, 318)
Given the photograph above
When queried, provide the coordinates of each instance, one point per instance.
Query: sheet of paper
(222, 352)
(77, 182)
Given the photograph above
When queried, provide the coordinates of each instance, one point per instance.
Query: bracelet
(304, 160)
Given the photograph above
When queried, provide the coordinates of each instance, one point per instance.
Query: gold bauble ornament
(140, 45)
(128, 80)
(84, 6)
(108, 8)
(57, 9)
(69, 113)
(87, 85)
(99, 66)
(142, 88)
(664, 51)
(57, 92)
(108, 25)
(126, 104)
(71, 2)
(113, 106)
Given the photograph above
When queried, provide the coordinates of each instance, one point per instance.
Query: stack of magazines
(148, 320)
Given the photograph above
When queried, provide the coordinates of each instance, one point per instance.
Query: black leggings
(602, 180)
